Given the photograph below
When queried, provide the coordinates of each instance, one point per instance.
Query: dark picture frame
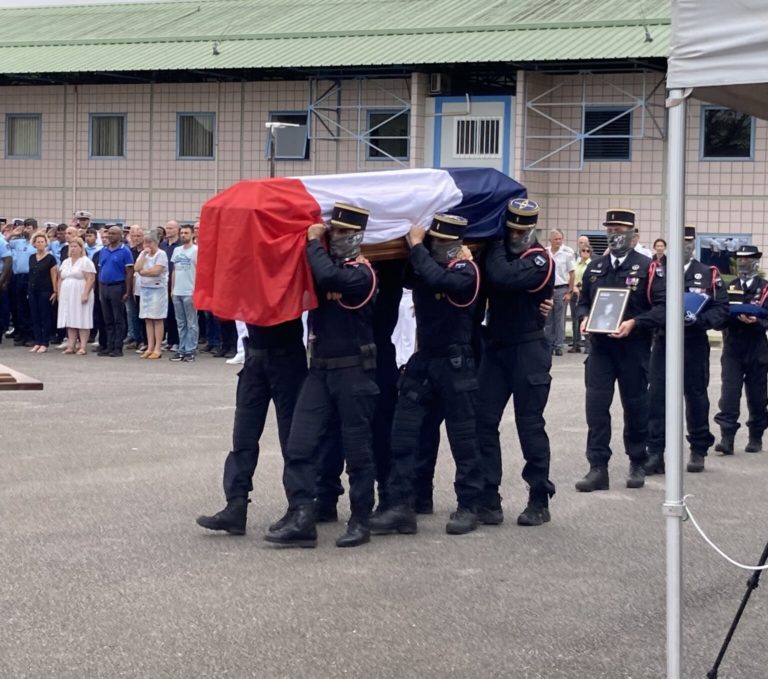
(607, 310)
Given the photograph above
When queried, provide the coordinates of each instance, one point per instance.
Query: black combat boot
(537, 511)
(490, 516)
(358, 533)
(325, 512)
(596, 479)
(654, 464)
(636, 476)
(231, 519)
(725, 446)
(695, 462)
(462, 521)
(298, 531)
(755, 444)
(397, 519)
(277, 525)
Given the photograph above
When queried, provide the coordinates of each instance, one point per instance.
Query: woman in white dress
(152, 269)
(76, 279)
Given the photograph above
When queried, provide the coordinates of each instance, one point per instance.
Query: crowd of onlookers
(110, 287)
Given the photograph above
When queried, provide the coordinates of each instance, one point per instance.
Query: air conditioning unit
(438, 83)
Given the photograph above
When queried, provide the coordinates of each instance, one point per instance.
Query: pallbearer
(340, 383)
(520, 275)
(441, 374)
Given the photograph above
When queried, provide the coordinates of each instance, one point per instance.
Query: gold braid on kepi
(346, 216)
(522, 213)
(619, 217)
(448, 227)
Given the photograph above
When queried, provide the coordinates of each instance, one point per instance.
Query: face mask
(620, 243)
(746, 268)
(688, 248)
(345, 244)
(444, 251)
(518, 240)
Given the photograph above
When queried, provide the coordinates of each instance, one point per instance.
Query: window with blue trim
(726, 134)
(23, 134)
(107, 135)
(291, 142)
(608, 133)
(195, 136)
(388, 134)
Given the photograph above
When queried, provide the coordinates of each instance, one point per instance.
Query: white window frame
(499, 120)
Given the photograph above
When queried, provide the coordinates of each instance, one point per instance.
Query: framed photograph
(607, 310)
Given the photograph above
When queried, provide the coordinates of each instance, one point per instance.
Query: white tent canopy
(720, 50)
(719, 54)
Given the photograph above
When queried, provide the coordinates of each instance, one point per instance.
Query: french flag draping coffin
(252, 264)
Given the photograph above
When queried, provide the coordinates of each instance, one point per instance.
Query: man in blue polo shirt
(115, 285)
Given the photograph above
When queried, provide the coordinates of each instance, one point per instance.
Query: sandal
(154, 355)
(68, 351)
(82, 352)
(34, 349)
(146, 354)
(42, 349)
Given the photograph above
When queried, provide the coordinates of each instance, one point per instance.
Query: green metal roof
(257, 34)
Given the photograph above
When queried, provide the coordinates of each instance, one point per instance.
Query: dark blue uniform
(701, 279)
(744, 363)
(274, 370)
(340, 382)
(622, 360)
(516, 361)
(440, 374)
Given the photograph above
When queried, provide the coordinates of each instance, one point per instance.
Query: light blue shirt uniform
(5, 251)
(90, 250)
(21, 250)
(54, 247)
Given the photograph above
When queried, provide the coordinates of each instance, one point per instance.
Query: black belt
(108, 284)
(522, 338)
(564, 285)
(266, 353)
(334, 363)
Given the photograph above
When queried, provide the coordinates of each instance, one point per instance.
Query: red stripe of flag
(251, 262)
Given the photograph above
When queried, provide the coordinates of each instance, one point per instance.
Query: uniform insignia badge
(438, 296)
(632, 281)
(460, 265)
(592, 279)
(697, 276)
(539, 260)
(660, 273)
(635, 267)
(599, 265)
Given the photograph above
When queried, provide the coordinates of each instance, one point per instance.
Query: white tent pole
(673, 505)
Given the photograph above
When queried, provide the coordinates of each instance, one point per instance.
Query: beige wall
(722, 196)
(149, 185)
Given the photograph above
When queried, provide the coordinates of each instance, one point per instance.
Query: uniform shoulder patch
(539, 260)
(460, 265)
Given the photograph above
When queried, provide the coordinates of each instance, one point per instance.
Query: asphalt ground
(105, 573)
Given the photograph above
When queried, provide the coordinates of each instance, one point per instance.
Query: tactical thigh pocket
(365, 387)
(539, 379)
